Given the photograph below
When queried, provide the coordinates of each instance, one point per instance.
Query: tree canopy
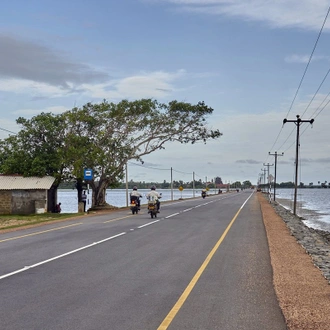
(102, 137)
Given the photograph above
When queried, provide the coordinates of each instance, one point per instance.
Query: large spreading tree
(103, 137)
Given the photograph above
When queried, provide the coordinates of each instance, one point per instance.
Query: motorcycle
(152, 208)
(153, 204)
(203, 194)
(134, 206)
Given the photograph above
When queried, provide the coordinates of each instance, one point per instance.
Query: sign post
(181, 188)
(88, 175)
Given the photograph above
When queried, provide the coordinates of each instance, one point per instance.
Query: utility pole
(193, 184)
(297, 122)
(276, 155)
(171, 184)
(269, 188)
(264, 175)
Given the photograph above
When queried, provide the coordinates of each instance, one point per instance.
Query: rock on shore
(316, 242)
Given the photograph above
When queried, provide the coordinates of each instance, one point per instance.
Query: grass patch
(15, 221)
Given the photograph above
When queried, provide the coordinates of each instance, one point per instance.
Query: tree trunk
(99, 191)
(79, 187)
(52, 198)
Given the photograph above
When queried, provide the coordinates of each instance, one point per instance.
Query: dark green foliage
(102, 137)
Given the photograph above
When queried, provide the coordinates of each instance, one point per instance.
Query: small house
(24, 195)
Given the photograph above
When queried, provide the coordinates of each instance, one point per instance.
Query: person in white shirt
(135, 195)
(154, 195)
(84, 199)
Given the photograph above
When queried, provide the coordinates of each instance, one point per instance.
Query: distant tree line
(199, 184)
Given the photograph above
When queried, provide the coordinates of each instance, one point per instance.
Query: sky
(254, 62)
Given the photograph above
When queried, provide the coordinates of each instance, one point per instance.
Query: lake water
(313, 204)
(117, 197)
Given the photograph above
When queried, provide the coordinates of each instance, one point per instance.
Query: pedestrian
(58, 208)
(84, 199)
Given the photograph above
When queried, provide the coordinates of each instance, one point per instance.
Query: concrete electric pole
(297, 122)
(276, 155)
(268, 180)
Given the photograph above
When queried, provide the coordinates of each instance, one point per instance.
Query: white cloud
(32, 88)
(32, 112)
(304, 58)
(143, 85)
(307, 14)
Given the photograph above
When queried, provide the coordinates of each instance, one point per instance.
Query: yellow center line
(39, 232)
(171, 315)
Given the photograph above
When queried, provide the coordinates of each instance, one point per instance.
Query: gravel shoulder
(301, 285)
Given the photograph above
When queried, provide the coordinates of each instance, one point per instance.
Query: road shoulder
(302, 291)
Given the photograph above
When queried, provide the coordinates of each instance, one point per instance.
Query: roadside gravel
(297, 252)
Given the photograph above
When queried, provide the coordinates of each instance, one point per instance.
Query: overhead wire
(325, 77)
(6, 130)
(153, 168)
(309, 61)
(303, 77)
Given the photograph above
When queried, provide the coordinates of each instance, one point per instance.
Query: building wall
(21, 201)
(5, 202)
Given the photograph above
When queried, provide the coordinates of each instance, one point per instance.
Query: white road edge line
(60, 256)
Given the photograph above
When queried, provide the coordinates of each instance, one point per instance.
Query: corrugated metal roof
(8, 182)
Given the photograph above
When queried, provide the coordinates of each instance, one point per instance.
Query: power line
(181, 172)
(310, 59)
(316, 92)
(301, 80)
(153, 168)
(6, 130)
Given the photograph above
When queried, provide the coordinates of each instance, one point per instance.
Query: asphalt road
(202, 264)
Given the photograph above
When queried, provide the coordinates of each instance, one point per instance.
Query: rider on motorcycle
(203, 193)
(154, 195)
(135, 195)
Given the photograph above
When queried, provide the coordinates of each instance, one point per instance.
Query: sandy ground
(303, 293)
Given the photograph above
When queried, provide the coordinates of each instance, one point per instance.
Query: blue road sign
(88, 174)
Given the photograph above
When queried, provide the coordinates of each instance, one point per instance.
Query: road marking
(172, 215)
(60, 256)
(175, 309)
(148, 224)
(40, 232)
(112, 220)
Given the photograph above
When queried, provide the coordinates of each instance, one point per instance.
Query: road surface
(202, 264)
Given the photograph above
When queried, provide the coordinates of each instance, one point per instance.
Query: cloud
(156, 84)
(32, 88)
(32, 112)
(308, 14)
(23, 60)
(248, 161)
(318, 160)
(304, 58)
